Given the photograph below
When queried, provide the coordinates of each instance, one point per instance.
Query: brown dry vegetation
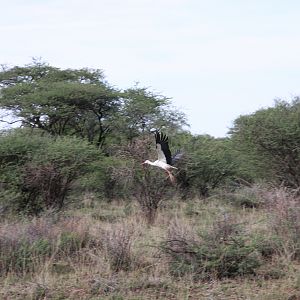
(218, 248)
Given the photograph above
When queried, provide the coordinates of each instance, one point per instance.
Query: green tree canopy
(208, 163)
(73, 102)
(272, 136)
(143, 110)
(81, 103)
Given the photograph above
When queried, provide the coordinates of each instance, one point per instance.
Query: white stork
(164, 156)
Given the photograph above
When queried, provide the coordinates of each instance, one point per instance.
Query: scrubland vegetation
(82, 219)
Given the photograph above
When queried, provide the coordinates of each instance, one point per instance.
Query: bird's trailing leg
(173, 167)
(171, 177)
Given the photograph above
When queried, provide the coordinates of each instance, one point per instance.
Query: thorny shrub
(148, 185)
(44, 186)
(222, 251)
(117, 243)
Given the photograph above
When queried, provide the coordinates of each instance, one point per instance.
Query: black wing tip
(164, 137)
(157, 137)
(160, 137)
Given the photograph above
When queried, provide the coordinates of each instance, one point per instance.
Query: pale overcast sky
(216, 59)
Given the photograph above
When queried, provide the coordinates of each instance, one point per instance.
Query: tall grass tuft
(26, 246)
(283, 208)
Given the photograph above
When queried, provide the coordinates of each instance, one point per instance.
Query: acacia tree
(272, 136)
(143, 110)
(81, 103)
(61, 102)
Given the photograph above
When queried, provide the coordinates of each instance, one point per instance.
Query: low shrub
(117, 243)
(24, 247)
(139, 181)
(247, 197)
(223, 251)
(267, 246)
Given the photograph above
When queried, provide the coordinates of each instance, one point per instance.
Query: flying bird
(164, 156)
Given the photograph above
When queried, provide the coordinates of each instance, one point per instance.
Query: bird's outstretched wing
(162, 148)
(177, 156)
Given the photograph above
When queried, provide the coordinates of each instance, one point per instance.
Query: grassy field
(242, 245)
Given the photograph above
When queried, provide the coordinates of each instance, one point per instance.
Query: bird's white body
(160, 164)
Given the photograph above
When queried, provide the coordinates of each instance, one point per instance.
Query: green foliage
(71, 242)
(108, 177)
(267, 246)
(16, 149)
(18, 145)
(78, 104)
(209, 164)
(271, 140)
(37, 170)
(81, 103)
(142, 110)
(73, 102)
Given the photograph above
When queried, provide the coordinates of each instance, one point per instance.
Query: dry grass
(108, 251)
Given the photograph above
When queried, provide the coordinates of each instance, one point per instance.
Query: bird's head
(146, 162)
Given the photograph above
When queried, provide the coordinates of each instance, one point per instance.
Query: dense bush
(37, 171)
(208, 164)
(270, 141)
